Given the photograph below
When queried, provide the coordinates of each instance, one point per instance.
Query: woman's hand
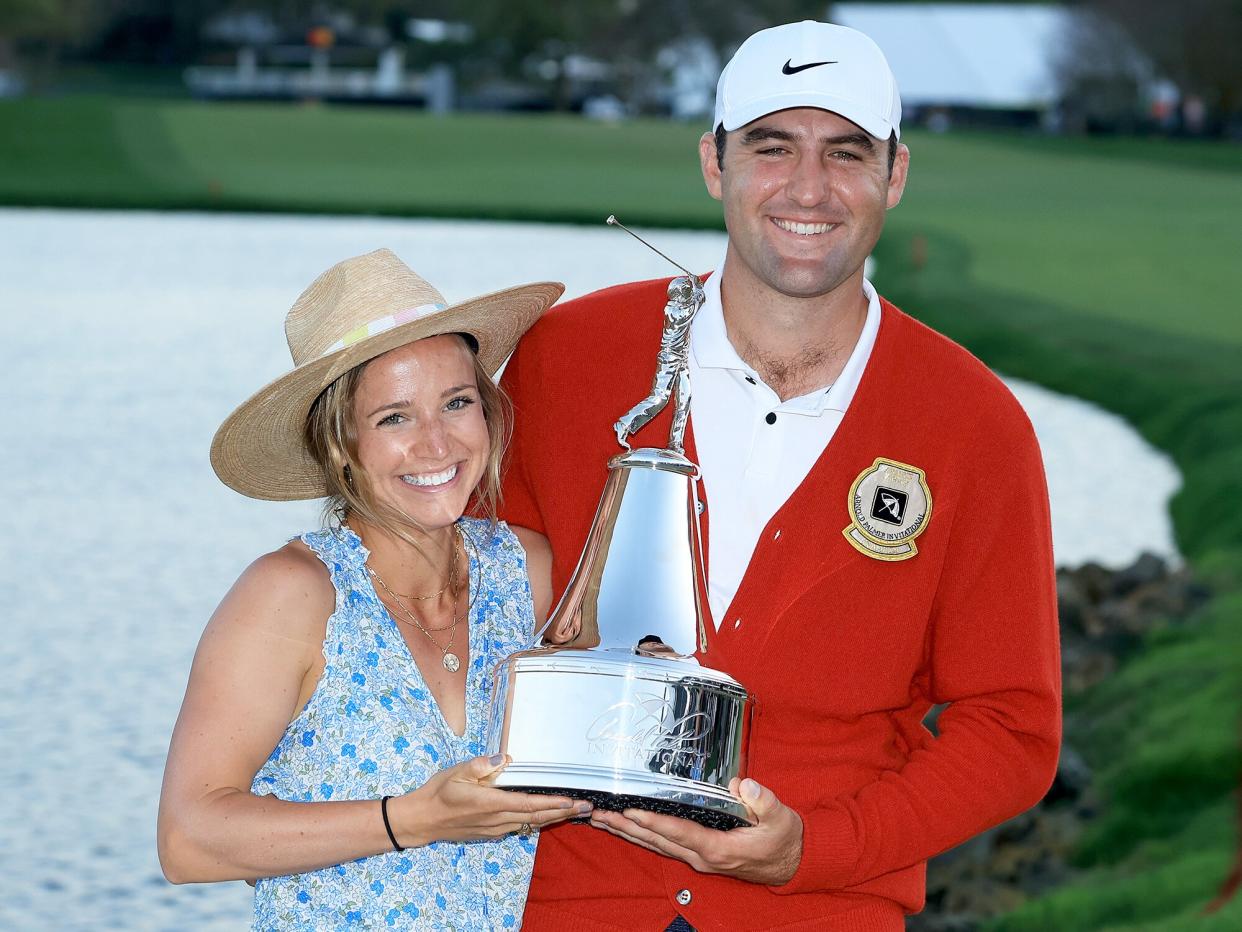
(460, 804)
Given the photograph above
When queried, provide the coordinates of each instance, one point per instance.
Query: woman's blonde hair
(331, 436)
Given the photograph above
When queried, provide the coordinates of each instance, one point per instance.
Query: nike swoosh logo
(785, 69)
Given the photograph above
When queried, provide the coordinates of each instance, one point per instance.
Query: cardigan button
(684, 897)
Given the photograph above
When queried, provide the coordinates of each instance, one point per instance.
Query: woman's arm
(257, 663)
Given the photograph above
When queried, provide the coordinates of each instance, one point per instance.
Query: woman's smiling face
(421, 434)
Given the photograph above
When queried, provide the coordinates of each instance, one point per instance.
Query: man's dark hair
(721, 135)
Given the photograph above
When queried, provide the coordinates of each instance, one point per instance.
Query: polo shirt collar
(709, 342)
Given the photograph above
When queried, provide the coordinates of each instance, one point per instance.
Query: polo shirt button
(684, 897)
(699, 507)
(771, 418)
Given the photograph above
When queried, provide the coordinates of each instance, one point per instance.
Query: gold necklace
(448, 659)
(451, 581)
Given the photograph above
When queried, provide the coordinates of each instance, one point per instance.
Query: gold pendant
(451, 663)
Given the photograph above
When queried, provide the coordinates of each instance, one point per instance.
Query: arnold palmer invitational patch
(890, 505)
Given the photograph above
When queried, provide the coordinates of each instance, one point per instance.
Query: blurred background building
(1087, 66)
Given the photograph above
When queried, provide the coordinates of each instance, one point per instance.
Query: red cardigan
(845, 653)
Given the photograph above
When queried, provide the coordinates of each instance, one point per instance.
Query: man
(876, 526)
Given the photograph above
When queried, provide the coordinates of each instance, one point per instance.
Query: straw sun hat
(358, 309)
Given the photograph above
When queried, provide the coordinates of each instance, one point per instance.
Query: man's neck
(796, 345)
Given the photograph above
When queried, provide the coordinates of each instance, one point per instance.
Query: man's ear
(707, 161)
(897, 180)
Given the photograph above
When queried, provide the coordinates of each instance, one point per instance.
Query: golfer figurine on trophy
(672, 378)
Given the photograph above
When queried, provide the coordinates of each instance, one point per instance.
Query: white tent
(989, 55)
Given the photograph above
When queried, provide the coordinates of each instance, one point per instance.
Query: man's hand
(769, 852)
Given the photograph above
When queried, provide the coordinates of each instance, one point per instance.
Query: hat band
(381, 324)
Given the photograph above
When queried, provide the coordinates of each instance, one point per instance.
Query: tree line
(1193, 43)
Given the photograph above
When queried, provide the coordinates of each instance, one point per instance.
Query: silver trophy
(624, 715)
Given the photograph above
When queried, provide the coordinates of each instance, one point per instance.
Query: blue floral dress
(372, 728)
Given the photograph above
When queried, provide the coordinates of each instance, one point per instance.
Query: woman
(329, 742)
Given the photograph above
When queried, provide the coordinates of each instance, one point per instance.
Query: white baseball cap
(810, 64)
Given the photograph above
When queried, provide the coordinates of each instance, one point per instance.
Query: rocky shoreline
(1105, 616)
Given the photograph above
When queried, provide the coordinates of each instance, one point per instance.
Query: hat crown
(809, 64)
(349, 297)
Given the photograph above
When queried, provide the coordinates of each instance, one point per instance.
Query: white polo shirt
(754, 449)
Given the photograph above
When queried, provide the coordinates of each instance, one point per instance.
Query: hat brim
(259, 450)
(872, 122)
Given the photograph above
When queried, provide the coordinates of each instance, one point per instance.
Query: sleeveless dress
(371, 728)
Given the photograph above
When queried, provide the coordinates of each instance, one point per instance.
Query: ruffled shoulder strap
(500, 556)
(340, 549)
(344, 555)
(492, 541)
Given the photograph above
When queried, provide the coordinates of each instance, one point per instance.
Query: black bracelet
(388, 825)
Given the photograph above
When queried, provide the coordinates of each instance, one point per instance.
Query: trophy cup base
(616, 792)
(622, 731)
(616, 802)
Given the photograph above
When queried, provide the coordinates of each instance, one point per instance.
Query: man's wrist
(827, 853)
(787, 868)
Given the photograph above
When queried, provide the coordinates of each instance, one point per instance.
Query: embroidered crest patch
(890, 505)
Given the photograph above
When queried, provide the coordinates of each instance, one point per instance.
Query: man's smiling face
(804, 193)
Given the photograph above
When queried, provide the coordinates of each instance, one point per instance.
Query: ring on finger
(525, 831)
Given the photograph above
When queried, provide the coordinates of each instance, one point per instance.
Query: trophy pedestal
(622, 731)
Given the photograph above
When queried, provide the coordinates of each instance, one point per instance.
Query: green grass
(1104, 269)
(1162, 736)
(1164, 887)
(1182, 698)
(189, 154)
(1143, 242)
(1137, 231)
